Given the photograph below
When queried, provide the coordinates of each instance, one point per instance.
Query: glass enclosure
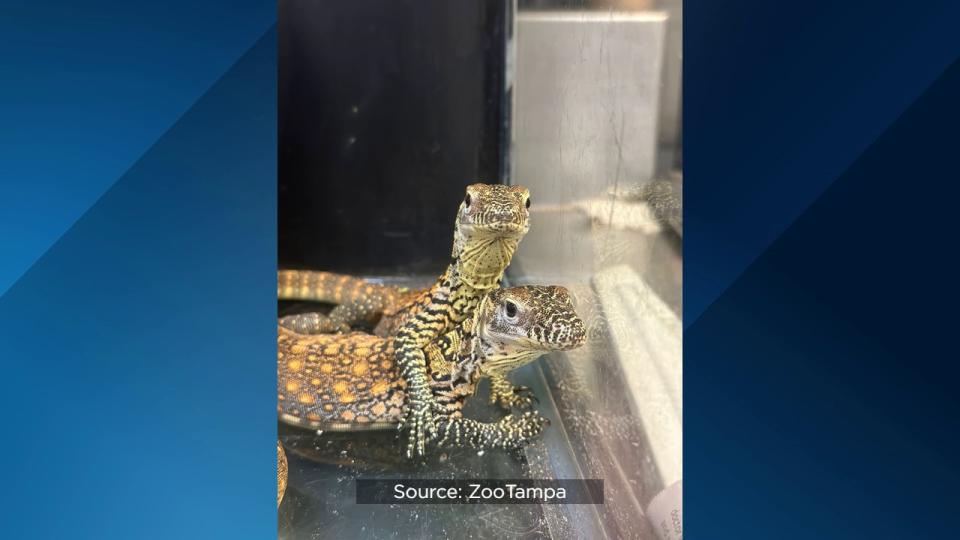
(387, 110)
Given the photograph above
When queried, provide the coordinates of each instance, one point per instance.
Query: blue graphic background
(138, 215)
(820, 148)
(87, 89)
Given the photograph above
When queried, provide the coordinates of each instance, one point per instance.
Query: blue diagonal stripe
(822, 384)
(86, 88)
(692, 318)
(778, 104)
(138, 379)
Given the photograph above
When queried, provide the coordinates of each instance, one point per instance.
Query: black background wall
(387, 109)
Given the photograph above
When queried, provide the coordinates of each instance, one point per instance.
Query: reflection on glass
(586, 141)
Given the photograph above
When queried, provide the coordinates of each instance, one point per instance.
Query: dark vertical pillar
(387, 109)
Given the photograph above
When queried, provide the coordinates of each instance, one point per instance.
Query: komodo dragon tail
(323, 287)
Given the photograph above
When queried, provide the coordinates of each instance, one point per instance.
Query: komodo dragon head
(514, 326)
(490, 223)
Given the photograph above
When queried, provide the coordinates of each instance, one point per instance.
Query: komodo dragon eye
(511, 309)
(466, 200)
(527, 204)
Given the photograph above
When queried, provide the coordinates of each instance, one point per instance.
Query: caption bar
(479, 491)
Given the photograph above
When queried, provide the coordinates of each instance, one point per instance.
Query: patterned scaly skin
(281, 473)
(491, 221)
(351, 382)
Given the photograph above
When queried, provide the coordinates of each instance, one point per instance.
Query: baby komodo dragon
(351, 381)
(491, 221)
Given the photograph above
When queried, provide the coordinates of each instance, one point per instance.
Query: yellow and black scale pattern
(351, 381)
(491, 221)
(281, 473)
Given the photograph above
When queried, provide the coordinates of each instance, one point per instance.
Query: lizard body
(351, 381)
(281, 473)
(491, 221)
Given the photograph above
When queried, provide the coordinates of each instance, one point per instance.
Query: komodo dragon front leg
(508, 396)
